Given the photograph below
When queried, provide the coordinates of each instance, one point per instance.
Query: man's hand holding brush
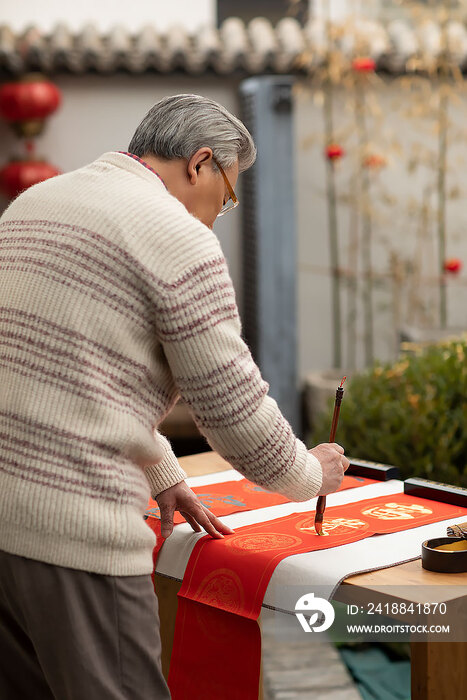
(321, 503)
(333, 463)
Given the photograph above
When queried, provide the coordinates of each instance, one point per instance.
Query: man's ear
(203, 156)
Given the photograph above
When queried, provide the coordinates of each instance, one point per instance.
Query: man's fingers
(345, 463)
(338, 447)
(215, 527)
(198, 514)
(221, 527)
(210, 523)
(191, 521)
(203, 519)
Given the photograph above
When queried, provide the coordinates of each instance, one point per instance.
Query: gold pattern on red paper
(333, 526)
(397, 511)
(246, 544)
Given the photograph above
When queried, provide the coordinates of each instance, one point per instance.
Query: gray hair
(177, 126)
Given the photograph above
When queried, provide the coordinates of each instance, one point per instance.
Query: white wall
(100, 113)
(340, 9)
(104, 14)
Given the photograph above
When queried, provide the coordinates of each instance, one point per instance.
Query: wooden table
(439, 669)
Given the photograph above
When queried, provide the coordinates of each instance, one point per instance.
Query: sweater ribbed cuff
(303, 480)
(167, 473)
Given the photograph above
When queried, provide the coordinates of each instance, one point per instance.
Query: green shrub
(412, 414)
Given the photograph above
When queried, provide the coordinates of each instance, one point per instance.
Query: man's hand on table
(180, 497)
(333, 463)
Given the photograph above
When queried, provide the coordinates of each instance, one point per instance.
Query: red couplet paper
(230, 497)
(217, 642)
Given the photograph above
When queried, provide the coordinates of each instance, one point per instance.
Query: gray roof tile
(251, 48)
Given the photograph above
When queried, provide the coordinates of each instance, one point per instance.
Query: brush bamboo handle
(321, 504)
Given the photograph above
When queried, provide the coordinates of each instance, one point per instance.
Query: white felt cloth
(323, 569)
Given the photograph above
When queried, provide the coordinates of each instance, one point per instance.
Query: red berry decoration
(453, 265)
(334, 151)
(363, 64)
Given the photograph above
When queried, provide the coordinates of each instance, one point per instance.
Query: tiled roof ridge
(397, 46)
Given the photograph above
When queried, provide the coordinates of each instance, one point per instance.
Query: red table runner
(217, 644)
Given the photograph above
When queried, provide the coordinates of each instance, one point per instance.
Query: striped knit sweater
(114, 302)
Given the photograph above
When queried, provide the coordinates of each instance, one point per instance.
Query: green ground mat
(376, 675)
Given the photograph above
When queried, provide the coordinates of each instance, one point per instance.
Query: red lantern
(363, 64)
(27, 102)
(374, 161)
(18, 175)
(334, 151)
(453, 265)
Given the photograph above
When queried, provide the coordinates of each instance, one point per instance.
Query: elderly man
(116, 299)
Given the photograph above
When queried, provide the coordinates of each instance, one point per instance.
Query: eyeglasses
(232, 202)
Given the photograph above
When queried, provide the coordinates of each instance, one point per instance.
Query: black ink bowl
(445, 554)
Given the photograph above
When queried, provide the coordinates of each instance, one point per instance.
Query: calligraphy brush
(321, 505)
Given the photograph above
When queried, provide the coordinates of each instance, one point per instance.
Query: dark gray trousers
(67, 634)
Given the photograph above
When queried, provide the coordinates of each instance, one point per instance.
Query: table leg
(439, 670)
(260, 688)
